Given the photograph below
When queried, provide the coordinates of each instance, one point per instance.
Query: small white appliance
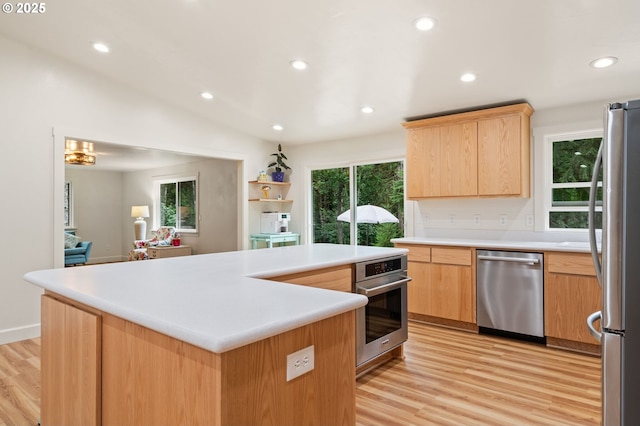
(275, 223)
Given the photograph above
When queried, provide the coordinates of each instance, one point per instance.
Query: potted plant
(279, 164)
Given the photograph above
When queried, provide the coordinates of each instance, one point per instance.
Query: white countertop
(567, 246)
(215, 301)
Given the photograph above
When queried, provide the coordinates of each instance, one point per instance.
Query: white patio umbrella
(369, 214)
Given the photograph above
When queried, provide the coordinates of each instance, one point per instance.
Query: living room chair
(77, 255)
(162, 236)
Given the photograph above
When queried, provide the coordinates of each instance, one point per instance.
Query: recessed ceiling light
(468, 77)
(206, 95)
(605, 62)
(277, 127)
(101, 47)
(299, 64)
(367, 109)
(425, 23)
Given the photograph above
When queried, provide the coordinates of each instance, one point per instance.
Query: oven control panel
(374, 268)
(382, 267)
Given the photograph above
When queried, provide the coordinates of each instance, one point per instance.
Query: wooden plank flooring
(447, 378)
(458, 378)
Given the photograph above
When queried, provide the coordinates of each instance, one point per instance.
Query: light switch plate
(300, 362)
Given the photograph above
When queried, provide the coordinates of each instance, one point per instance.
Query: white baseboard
(106, 259)
(11, 335)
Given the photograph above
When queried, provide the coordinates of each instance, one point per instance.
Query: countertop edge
(540, 246)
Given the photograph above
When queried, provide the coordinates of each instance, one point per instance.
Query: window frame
(68, 205)
(549, 185)
(353, 190)
(157, 183)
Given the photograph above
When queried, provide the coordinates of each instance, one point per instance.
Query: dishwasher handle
(509, 259)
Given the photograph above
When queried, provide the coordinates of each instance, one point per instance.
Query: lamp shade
(139, 211)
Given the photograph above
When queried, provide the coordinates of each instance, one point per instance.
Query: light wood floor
(447, 378)
(458, 378)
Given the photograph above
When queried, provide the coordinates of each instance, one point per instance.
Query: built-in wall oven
(381, 325)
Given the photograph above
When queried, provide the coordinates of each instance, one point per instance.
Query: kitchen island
(199, 340)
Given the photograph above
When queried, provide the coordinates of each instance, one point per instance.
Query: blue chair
(78, 255)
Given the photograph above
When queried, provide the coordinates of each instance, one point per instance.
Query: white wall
(218, 203)
(97, 210)
(41, 93)
(523, 218)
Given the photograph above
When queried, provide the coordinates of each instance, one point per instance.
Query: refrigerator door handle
(592, 215)
(591, 319)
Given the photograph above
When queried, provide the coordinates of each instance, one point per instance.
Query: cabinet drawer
(417, 253)
(451, 256)
(571, 263)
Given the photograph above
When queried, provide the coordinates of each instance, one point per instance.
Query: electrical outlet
(529, 220)
(425, 218)
(299, 363)
(502, 219)
(452, 219)
(476, 219)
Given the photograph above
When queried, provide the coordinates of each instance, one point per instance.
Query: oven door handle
(382, 288)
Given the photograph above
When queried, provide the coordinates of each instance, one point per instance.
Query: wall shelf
(278, 189)
(270, 200)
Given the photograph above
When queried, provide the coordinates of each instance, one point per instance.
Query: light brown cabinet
(572, 293)
(101, 369)
(70, 364)
(336, 278)
(442, 283)
(483, 153)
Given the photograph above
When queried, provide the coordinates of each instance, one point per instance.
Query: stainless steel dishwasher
(510, 292)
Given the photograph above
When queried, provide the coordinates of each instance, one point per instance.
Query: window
(572, 158)
(68, 205)
(177, 203)
(380, 185)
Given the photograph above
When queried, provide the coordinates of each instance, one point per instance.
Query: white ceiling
(124, 158)
(361, 52)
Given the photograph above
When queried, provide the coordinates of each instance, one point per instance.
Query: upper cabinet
(482, 153)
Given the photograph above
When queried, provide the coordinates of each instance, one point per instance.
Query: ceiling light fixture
(367, 109)
(468, 77)
(79, 153)
(206, 95)
(277, 127)
(101, 47)
(299, 64)
(605, 62)
(424, 23)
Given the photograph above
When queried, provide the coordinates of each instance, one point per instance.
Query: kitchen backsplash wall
(482, 219)
(474, 214)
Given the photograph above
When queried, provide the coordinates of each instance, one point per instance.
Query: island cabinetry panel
(572, 293)
(442, 289)
(153, 379)
(484, 153)
(70, 364)
(332, 278)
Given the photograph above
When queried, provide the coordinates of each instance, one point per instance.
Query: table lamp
(140, 226)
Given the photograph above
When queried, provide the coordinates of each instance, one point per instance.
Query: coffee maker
(275, 223)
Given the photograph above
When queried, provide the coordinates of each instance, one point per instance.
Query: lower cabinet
(98, 369)
(70, 365)
(572, 293)
(337, 278)
(442, 282)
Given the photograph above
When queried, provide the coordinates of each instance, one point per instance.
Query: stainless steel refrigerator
(619, 270)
